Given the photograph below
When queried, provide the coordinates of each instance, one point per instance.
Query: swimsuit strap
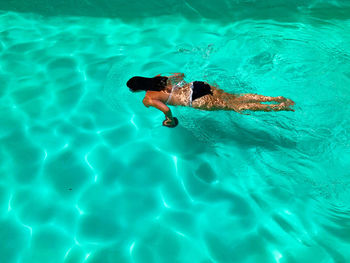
(171, 92)
(191, 86)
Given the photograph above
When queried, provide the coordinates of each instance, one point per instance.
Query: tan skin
(220, 100)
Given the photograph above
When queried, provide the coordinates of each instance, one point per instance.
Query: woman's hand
(178, 75)
(170, 122)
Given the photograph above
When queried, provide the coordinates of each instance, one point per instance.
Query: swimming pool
(88, 174)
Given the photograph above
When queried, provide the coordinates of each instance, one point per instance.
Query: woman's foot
(286, 105)
(290, 102)
(280, 99)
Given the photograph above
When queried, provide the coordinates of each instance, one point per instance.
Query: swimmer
(174, 90)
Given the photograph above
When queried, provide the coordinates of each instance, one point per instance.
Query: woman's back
(179, 94)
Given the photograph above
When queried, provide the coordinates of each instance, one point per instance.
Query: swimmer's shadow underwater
(242, 132)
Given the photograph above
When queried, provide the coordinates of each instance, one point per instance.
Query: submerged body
(203, 96)
(182, 93)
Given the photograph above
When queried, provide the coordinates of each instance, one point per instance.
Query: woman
(173, 90)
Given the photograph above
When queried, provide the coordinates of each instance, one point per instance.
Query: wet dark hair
(141, 83)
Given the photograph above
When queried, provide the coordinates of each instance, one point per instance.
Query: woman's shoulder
(158, 95)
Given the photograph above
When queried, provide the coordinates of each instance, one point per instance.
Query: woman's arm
(169, 121)
(158, 105)
(176, 77)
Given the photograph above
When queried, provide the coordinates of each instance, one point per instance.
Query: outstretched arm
(177, 76)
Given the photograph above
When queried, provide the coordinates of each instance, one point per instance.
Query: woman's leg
(253, 102)
(229, 101)
(246, 98)
(283, 106)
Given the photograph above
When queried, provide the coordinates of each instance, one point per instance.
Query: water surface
(88, 174)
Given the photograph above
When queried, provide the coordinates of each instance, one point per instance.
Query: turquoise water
(88, 174)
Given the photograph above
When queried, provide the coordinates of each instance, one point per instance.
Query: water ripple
(88, 174)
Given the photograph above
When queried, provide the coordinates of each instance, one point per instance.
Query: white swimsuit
(178, 85)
